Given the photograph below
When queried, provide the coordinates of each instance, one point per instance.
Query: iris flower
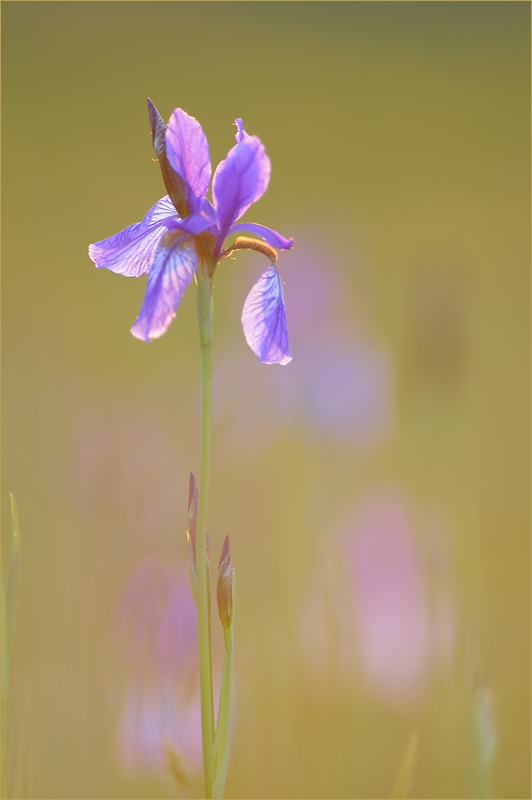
(184, 232)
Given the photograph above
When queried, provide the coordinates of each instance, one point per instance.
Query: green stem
(202, 571)
(223, 726)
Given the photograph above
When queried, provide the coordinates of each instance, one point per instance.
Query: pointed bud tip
(193, 500)
(226, 552)
(158, 130)
(192, 514)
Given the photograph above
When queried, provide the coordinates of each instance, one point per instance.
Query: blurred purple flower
(156, 632)
(369, 609)
(184, 231)
(340, 388)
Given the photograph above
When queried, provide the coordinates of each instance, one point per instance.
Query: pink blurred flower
(156, 633)
(369, 609)
(391, 616)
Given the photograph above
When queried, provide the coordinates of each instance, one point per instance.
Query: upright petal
(270, 236)
(175, 262)
(187, 151)
(240, 180)
(240, 134)
(175, 184)
(131, 252)
(264, 319)
(265, 166)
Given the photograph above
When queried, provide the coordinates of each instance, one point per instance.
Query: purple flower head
(184, 231)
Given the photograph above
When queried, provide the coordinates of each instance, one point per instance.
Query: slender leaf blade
(10, 598)
(404, 776)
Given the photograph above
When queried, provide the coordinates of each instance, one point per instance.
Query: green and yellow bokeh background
(399, 135)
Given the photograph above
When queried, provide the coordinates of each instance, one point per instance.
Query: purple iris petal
(264, 319)
(240, 179)
(187, 151)
(131, 252)
(194, 224)
(175, 262)
(209, 212)
(270, 236)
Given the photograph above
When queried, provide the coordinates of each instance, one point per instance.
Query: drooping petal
(270, 236)
(240, 179)
(175, 262)
(187, 151)
(175, 184)
(131, 252)
(264, 319)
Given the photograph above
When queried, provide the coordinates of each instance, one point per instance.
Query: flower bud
(193, 497)
(208, 556)
(175, 184)
(225, 588)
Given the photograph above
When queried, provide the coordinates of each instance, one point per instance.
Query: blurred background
(376, 489)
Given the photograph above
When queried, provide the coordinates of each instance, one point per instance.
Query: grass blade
(9, 611)
(10, 598)
(402, 782)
